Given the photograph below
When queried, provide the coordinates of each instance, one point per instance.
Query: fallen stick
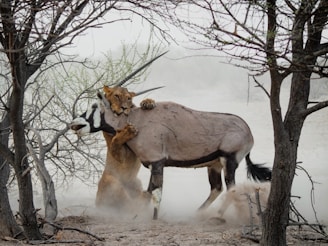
(52, 241)
(73, 229)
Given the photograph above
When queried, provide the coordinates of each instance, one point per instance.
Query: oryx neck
(114, 120)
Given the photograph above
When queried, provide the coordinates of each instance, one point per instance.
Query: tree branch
(314, 108)
(261, 86)
(73, 229)
(29, 24)
(7, 154)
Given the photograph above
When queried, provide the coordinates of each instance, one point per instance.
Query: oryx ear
(99, 95)
(103, 101)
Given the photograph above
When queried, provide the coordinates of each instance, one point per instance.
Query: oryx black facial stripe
(105, 127)
(96, 120)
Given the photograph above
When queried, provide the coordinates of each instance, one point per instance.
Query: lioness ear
(132, 94)
(107, 90)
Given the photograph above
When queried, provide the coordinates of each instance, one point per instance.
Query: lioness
(119, 186)
(242, 203)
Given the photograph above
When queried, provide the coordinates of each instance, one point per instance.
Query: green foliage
(57, 95)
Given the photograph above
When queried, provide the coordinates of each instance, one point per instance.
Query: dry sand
(126, 230)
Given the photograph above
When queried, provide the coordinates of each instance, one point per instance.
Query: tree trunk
(276, 215)
(8, 225)
(286, 138)
(48, 187)
(27, 211)
(22, 170)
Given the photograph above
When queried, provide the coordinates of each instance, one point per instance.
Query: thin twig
(251, 219)
(73, 229)
(258, 204)
(251, 237)
(305, 223)
(312, 190)
(249, 234)
(26, 171)
(298, 214)
(51, 241)
(261, 86)
(314, 239)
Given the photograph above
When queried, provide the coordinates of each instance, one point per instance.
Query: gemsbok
(177, 136)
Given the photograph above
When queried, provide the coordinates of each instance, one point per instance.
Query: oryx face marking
(91, 121)
(80, 126)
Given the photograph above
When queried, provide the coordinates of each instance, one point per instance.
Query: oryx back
(182, 135)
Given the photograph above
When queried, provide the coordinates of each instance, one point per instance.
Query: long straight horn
(145, 91)
(139, 69)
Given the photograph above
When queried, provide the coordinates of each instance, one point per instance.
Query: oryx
(174, 135)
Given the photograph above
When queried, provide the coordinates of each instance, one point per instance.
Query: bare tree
(30, 32)
(7, 221)
(50, 108)
(46, 118)
(286, 39)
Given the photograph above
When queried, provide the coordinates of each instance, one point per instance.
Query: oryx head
(93, 119)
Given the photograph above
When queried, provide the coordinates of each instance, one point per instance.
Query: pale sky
(111, 37)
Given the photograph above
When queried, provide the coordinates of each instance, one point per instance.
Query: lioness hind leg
(147, 104)
(111, 193)
(120, 138)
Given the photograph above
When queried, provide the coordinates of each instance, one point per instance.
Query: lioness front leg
(120, 138)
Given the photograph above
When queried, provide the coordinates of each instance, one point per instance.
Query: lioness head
(120, 99)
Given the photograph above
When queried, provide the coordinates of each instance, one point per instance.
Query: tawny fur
(119, 186)
(237, 198)
(120, 99)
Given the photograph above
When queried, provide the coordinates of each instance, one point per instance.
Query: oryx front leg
(155, 185)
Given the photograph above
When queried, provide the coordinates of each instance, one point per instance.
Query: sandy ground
(115, 230)
(192, 232)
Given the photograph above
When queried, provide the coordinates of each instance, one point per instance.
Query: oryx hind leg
(214, 177)
(230, 170)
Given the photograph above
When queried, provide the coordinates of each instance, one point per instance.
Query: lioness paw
(131, 128)
(129, 131)
(147, 104)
